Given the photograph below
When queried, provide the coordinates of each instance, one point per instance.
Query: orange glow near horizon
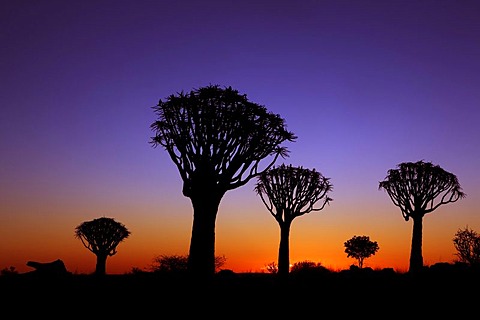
(364, 87)
(249, 241)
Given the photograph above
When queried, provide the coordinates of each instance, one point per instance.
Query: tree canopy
(418, 188)
(218, 134)
(360, 248)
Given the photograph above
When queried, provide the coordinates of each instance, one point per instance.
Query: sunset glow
(364, 86)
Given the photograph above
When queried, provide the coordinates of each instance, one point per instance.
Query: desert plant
(289, 192)
(418, 188)
(8, 271)
(101, 236)
(467, 244)
(179, 263)
(308, 268)
(305, 264)
(360, 248)
(271, 267)
(170, 263)
(217, 139)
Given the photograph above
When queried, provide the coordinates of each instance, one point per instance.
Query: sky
(364, 85)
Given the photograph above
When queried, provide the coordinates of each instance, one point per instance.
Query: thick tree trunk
(101, 266)
(284, 250)
(416, 257)
(201, 258)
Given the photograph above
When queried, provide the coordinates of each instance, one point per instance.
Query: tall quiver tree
(289, 192)
(217, 139)
(418, 188)
(101, 236)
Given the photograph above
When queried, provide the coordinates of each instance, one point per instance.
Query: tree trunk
(284, 250)
(101, 267)
(416, 257)
(201, 258)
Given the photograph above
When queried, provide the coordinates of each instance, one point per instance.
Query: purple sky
(364, 85)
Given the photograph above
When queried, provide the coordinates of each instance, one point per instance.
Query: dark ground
(443, 292)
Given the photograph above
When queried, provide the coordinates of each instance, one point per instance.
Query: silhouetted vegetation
(360, 248)
(272, 267)
(309, 288)
(8, 271)
(467, 244)
(289, 192)
(217, 139)
(308, 268)
(418, 188)
(101, 236)
(179, 263)
(170, 263)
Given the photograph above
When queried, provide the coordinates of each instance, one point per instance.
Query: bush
(308, 267)
(8, 271)
(179, 263)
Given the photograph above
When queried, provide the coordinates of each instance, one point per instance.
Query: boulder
(56, 268)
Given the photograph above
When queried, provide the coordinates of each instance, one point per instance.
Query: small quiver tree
(101, 236)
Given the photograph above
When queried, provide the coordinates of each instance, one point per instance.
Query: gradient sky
(365, 85)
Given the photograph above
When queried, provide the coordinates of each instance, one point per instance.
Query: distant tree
(360, 248)
(289, 192)
(467, 244)
(418, 188)
(217, 139)
(179, 263)
(101, 236)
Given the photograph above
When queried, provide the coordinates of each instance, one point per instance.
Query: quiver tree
(289, 192)
(101, 236)
(418, 188)
(360, 248)
(217, 139)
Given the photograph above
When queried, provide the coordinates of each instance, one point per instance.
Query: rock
(55, 268)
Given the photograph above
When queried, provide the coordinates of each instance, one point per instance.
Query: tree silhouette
(467, 244)
(217, 139)
(418, 188)
(101, 236)
(360, 248)
(289, 192)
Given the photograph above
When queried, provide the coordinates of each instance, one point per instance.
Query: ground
(355, 293)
